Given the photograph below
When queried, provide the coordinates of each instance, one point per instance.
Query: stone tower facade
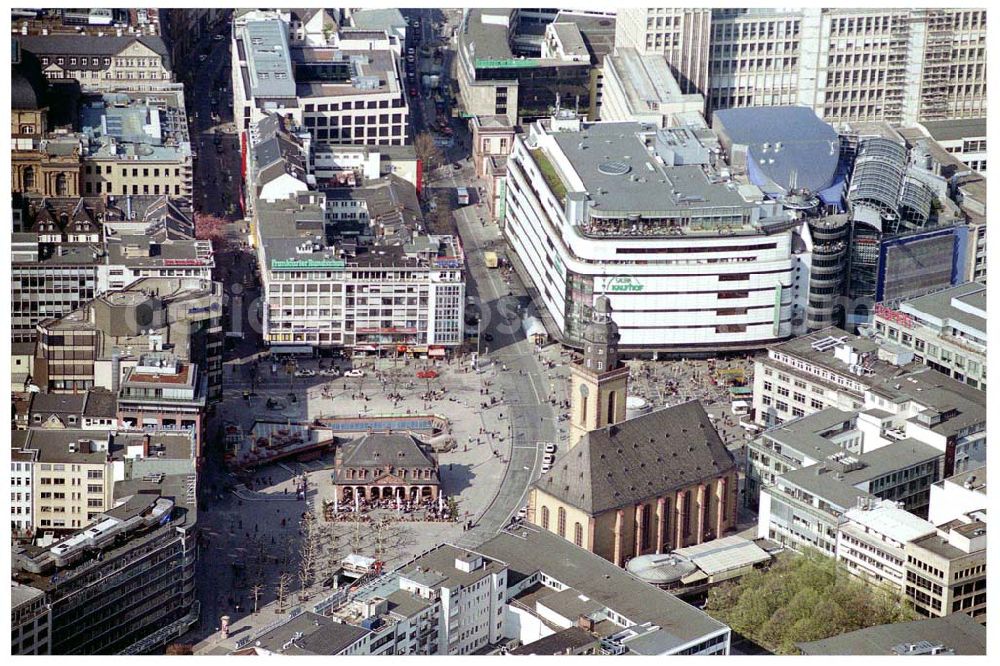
(598, 384)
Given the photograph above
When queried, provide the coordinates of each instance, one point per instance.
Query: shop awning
(291, 349)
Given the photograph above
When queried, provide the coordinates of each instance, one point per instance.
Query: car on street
(217, 38)
(330, 372)
(456, 166)
(355, 373)
(427, 374)
(550, 448)
(305, 372)
(413, 92)
(488, 337)
(202, 58)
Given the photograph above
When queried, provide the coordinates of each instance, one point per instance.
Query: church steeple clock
(599, 384)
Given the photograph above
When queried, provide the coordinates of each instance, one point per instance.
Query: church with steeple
(623, 488)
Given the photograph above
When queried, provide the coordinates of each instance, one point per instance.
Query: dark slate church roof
(378, 450)
(638, 459)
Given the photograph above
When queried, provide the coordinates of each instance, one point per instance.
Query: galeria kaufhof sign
(625, 283)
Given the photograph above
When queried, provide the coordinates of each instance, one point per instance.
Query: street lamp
(479, 338)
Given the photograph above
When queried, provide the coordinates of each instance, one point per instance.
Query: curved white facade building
(689, 264)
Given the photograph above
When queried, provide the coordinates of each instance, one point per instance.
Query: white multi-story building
(21, 466)
(690, 263)
(332, 163)
(681, 34)
(945, 329)
(901, 65)
(132, 257)
(351, 95)
(871, 539)
(640, 88)
(965, 139)
(959, 494)
(894, 398)
(347, 89)
(805, 507)
(453, 601)
(828, 368)
(471, 590)
(371, 289)
(262, 74)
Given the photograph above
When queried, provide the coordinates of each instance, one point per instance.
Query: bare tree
(310, 552)
(284, 582)
(394, 378)
(256, 591)
(389, 535)
(428, 151)
(356, 533)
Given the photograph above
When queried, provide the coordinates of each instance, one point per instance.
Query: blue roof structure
(788, 147)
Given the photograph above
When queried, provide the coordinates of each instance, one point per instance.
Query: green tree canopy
(803, 598)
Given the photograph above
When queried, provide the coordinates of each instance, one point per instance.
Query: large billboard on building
(916, 264)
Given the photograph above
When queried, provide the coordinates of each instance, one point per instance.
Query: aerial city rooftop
(498, 331)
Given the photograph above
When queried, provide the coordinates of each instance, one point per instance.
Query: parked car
(305, 372)
(550, 448)
(413, 92)
(522, 512)
(202, 58)
(427, 374)
(488, 337)
(355, 373)
(217, 38)
(548, 459)
(330, 372)
(546, 468)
